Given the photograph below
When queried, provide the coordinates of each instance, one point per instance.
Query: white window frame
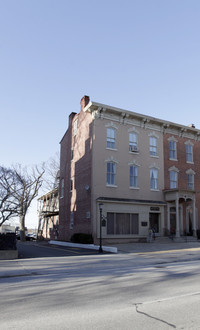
(111, 173)
(172, 150)
(133, 142)
(173, 179)
(153, 146)
(75, 126)
(62, 185)
(190, 181)
(133, 176)
(153, 178)
(189, 153)
(111, 138)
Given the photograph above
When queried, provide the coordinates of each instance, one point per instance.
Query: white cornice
(167, 126)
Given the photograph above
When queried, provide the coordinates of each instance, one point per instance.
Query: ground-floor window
(122, 223)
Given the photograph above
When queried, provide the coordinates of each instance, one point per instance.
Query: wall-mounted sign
(144, 223)
(154, 208)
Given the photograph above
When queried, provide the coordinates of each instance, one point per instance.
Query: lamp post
(100, 238)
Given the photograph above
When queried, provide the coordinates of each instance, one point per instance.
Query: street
(37, 249)
(124, 291)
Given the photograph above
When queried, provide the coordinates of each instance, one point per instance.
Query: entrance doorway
(154, 222)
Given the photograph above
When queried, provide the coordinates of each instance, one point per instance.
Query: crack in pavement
(153, 317)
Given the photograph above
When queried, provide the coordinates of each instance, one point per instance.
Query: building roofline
(94, 106)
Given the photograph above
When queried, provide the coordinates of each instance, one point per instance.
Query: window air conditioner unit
(133, 148)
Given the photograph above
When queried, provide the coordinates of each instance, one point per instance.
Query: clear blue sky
(140, 55)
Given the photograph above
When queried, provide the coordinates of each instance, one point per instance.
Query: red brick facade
(75, 170)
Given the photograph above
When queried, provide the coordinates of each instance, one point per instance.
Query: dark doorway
(154, 222)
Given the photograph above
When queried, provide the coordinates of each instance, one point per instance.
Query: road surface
(102, 292)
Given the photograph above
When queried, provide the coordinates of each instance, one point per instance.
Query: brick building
(145, 172)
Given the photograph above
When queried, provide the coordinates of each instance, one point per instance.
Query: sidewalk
(159, 252)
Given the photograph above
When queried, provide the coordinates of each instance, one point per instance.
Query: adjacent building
(142, 171)
(48, 213)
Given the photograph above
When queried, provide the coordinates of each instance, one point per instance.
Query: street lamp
(100, 239)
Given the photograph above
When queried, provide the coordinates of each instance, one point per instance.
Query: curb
(85, 246)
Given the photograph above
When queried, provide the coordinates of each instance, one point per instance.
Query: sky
(139, 55)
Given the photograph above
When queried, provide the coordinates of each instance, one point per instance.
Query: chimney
(192, 125)
(84, 101)
(71, 116)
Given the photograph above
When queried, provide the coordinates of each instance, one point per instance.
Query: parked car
(31, 237)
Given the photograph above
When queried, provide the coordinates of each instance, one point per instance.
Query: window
(75, 126)
(71, 184)
(134, 176)
(111, 138)
(173, 179)
(153, 146)
(111, 173)
(190, 181)
(71, 224)
(154, 178)
(189, 153)
(133, 142)
(172, 150)
(62, 188)
(122, 223)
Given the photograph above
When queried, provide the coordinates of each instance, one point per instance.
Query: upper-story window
(133, 176)
(75, 126)
(190, 179)
(173, 179)
(189, 153)
(71, 184)
(154, 178)
(111, 173)
(62, 182)
(153, 148)
(133, 142)
(111, 138)
(172, 150)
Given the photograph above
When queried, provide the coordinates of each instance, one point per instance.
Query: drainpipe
(177, 217)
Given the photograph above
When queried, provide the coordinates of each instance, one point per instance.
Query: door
(154, 222)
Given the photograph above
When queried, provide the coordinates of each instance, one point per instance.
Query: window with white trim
(153, 146)
(189, 153)
(190, 181)
(111, 173)
(133, 142)
(111, 138)
(133, 176)
(154, 178)
(75, 126)
(122, 223)
(71, 184)
(62, 188)
(173, 179)
(172, 150)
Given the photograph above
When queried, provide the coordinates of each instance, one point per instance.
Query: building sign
(154, 208)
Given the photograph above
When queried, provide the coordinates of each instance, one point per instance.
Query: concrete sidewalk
(154, 252)
(157, 246)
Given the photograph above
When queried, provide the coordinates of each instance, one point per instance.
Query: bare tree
(9, 207)
(52, 172)
(25, 190)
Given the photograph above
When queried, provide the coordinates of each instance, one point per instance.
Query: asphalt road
(39, 249)
(104, 292)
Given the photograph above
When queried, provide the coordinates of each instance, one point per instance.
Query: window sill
(111, 186)
(134, 152)
(174, 159)
(134, 188)
(188, 162)
(113, 149)
(154, 156)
